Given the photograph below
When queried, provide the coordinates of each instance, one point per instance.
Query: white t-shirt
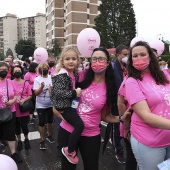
(43, 99)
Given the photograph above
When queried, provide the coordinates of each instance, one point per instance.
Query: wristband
(120, 119)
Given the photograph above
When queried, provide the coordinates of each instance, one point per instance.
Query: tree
(2, 57)
(56, 49)
(166, 44)
(9, 52)
(25, 48)
(116, 23)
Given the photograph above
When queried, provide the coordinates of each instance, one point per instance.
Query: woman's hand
(126, 116)
(21, 102)
(9, 103)
(58, 114)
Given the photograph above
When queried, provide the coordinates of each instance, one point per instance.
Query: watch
(120, 119)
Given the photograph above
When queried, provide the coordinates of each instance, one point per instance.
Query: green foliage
(9, 52)
(25, 48)
(167, 44)
(56, 49)
(2, 57)
(116, 23)
(165, 57)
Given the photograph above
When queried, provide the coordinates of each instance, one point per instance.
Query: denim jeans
(148, 158)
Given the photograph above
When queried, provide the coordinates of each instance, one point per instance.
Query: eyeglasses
(100, 59)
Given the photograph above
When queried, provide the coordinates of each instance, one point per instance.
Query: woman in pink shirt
(23, 92)
(97, 96)
(147, 90)
(7, 129)
(30, 77)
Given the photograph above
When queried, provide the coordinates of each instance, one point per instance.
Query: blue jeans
(148, 158)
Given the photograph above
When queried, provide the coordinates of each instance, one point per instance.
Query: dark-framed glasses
(99, 59)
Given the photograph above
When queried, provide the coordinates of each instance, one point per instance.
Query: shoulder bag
(27, 105)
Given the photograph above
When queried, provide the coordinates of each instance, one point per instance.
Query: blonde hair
(60, 61)
(162, 63)
(40, 67)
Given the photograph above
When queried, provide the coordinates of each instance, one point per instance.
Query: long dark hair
(109, 79)
(17, 66)
(32, 67)
(154, 68)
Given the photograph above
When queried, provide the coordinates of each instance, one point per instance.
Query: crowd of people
(131, 93)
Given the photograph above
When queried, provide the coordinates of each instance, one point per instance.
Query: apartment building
(8, 33)
(66, 18)
(34, 29)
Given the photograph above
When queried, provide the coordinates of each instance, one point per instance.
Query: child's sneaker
(71, 157)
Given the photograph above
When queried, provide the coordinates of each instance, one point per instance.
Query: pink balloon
(7, 163)
(134, 40)
(40, 55)
(87, 40)
(158, 45)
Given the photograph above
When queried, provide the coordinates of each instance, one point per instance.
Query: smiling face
(70, 60)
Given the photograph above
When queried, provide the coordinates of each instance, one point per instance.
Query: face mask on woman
(17, 74)
(44, 72)
(98, 67)
(3, 74)
(51, 65)
(141, 63)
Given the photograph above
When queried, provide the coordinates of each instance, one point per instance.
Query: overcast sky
(153, 16)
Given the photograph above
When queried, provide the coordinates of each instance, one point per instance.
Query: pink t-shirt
(158, 99)
(30, 77)
(3, 93)
(52, 71)
(92, 101)
(27, 92)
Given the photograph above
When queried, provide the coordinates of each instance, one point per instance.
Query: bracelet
(120, 119)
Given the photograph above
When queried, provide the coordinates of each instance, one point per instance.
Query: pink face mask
(98, 67)
(141, 63)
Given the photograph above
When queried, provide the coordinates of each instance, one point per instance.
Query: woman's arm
(11, 101)
(141, 108)
(121, 103)
(109, 118)
(58, 114)
(39, 90)
(122, 109)
(24, 100)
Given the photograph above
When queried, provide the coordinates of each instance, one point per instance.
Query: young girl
(62, 95)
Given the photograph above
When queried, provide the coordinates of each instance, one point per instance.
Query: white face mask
(124, 60)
